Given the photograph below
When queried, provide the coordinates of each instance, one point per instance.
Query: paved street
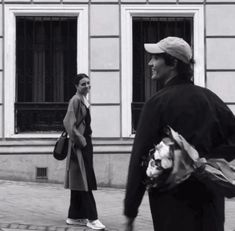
(43, 206)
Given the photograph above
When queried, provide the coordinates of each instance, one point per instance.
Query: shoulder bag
(61, 146)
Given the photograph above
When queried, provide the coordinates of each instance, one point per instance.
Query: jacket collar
(176, 81)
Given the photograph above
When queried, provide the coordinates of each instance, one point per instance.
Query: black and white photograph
(117, 115)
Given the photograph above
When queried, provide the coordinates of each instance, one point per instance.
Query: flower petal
(166, 163)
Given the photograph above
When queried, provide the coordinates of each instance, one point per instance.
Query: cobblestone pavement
(42, 206)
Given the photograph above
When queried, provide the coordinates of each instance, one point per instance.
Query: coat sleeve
(144, 141)
(71, 124)
(227, 124)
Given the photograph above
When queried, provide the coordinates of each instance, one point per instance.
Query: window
(46, 51)
(17, 73)
(186, 21)
(151, 30)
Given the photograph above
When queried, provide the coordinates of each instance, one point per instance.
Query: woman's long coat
(75, 175)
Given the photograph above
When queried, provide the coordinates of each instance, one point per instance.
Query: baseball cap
(174, 46)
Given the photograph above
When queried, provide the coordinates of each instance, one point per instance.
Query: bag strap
(81, 121)
(78, 124)
(65, 133)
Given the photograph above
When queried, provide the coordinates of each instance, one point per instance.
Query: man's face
(160, 70)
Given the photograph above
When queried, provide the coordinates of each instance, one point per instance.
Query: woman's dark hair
(78, 78)
(185, 70)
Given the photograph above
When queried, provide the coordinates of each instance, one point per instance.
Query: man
(202, 119)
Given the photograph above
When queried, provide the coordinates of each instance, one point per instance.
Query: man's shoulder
(203, 91)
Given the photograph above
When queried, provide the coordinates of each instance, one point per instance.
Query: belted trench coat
(75, 175)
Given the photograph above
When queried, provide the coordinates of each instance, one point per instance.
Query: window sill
(36, 135)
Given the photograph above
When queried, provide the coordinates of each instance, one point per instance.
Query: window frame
(127, 13)
(11, 11)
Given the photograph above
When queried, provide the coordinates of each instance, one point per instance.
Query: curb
(23, 227)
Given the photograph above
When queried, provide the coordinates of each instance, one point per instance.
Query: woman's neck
(83, 95)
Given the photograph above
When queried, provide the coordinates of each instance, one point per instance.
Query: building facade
(44, 43)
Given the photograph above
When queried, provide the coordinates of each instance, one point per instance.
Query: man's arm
(143, 142)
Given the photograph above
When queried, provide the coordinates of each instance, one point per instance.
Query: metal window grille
(46, 61)
(41, 173)
(151, 30)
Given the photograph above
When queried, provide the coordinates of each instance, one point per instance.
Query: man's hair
(78, 78)
(185, 70)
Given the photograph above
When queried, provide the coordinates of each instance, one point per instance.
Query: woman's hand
(129, 224)
(80, 141)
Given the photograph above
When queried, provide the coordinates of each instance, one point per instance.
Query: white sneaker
(96, 224)
(81, 222)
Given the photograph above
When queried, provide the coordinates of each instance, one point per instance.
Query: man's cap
(174, 46)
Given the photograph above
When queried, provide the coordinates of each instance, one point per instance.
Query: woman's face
(84, 86)
(159, 68)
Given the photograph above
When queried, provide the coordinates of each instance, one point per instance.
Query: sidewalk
(43, 206)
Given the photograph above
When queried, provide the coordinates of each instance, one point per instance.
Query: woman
(80, 177)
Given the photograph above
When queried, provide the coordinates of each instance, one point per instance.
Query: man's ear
(174, 63)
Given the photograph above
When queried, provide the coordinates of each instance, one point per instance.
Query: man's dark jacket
(205, 122)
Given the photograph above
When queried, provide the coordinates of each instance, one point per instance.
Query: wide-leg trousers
(82, 205)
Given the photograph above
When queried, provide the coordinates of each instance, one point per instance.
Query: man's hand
(129, 224)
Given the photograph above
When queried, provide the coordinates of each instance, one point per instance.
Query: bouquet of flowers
(174, 160)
